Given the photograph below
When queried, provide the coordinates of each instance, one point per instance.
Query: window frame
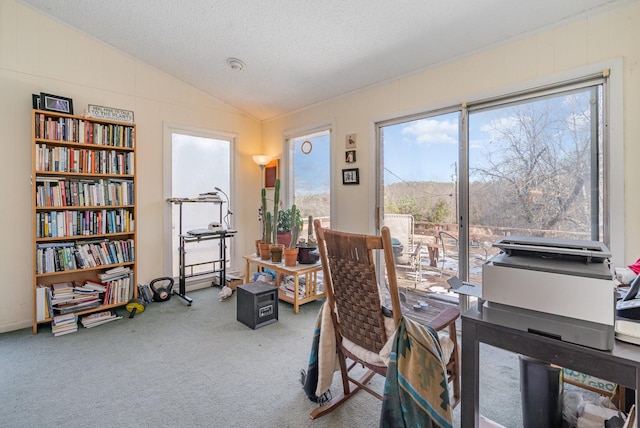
(168, 130)
(287, 185)
(610, 75)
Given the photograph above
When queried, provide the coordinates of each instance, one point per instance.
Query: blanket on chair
(415, 391)
(322, 358)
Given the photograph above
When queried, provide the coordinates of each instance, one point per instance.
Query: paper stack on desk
(628, 331)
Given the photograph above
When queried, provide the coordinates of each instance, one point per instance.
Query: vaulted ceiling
(300, 52)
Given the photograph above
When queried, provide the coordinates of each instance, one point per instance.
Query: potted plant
(291, 253)
(276, 252)
(268, 222)
(307, 249)
(265, 245)
(284, 226)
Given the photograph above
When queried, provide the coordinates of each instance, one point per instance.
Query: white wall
(608, 38)
(38, 54)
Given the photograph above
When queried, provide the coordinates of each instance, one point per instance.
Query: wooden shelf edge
(83, 237)
(100, 267)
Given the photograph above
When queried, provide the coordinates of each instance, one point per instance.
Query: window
(310, 175)
(199, 162)
(536, 168)
(531, 163)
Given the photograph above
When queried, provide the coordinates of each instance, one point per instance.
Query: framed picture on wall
(350, 156)
(271, 173)
(56, 103)
(351, 176)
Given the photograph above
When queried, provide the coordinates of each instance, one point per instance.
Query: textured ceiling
(299, 52)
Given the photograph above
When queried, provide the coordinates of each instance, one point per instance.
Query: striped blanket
(415, 391)
(322, 358)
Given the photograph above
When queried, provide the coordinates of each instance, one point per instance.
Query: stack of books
(210, 197)
(99, 318)
(68, 298)
(64, 324)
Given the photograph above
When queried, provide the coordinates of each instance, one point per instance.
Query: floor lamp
(261, 160)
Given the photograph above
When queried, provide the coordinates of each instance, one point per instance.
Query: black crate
(257, 304)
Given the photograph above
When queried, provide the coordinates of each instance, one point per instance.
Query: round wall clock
(306, 147)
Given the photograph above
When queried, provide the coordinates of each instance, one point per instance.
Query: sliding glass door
(529, 164)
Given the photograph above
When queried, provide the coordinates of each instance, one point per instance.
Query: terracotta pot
(258, 241)
(290, 256)
(284, 238)
(265, 253)
(276, 253)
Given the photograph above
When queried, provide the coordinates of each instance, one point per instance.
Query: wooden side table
(310, 273)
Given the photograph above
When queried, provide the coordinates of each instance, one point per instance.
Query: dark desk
(621, 365)
(218, 264)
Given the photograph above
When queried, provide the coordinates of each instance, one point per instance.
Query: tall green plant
(296, 226)
(268, 229)
(276, 202)
(264, 215)
(310, 240)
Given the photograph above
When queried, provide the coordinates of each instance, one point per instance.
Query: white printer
(554, 287)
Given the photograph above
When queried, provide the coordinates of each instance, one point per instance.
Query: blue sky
(421, 150)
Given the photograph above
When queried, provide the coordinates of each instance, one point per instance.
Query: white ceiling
(300, 52)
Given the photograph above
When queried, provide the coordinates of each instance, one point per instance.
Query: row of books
(81, 131)
(57, 192)
(54, 224)
(65, 256)
(71, 159)
(119, 290)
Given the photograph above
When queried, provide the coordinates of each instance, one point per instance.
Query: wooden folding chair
(361, 327)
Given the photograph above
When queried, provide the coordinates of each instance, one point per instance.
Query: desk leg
(296, 290)
(637, 396)
(247, 272)
(469, 403)
(182, 276)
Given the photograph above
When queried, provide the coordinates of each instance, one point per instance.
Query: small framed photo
(351, 176)
(350, 141)
(350, 156)
(57, 103)
(271, 173)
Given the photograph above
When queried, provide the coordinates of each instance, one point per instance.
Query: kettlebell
(161, 293)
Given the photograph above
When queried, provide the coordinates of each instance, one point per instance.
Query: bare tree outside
(537, 164)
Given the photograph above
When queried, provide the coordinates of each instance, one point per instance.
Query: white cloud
(433, 131)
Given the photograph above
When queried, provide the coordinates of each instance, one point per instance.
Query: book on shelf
(68, 308)
(62, 287)
(114, 272)
(92, 285)
(42, 306)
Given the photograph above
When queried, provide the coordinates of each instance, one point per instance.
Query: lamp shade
(261, 160)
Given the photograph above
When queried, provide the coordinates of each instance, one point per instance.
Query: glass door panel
(419, 194)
